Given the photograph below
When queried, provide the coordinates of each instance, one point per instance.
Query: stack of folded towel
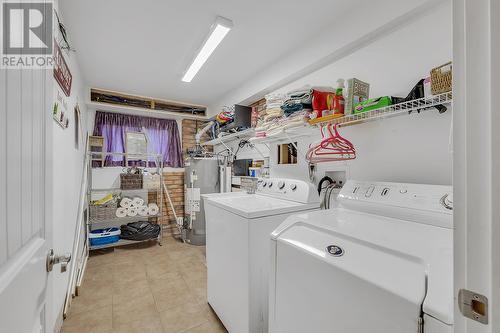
(298, 100)
(284, 111)
(271, 114)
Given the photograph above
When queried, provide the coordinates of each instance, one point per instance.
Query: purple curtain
(162, 134)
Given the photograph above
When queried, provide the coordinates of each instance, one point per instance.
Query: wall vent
(115, 98)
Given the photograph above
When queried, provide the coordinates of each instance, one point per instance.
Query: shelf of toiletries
(416, 105)
(405, 108)
(299, 112)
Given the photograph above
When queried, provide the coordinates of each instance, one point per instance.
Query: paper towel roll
(137, 202)
(143, 211)
(125, 202)
(132, 211)
(121, 212)
(153, 209)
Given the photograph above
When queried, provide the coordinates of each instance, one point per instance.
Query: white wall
(403, 149)
(67, 175)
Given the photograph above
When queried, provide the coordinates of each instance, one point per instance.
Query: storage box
(357, 92)
(104, 236)
(151, 182)
(130, 181)
(373, 104)
(103, 212)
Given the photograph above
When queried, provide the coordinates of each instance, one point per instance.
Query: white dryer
(382, 263)
(238, 229)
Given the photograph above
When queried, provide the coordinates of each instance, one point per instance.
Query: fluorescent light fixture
(218, 31)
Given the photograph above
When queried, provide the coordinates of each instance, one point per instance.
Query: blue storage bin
(104, 236)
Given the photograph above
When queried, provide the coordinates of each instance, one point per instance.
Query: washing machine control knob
(264, 184)
(293, 187)
(270, 184)
(369, 191)
(281, 185)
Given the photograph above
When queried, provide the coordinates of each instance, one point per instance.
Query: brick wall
(260, 104)
(189, 129)
(175, 184)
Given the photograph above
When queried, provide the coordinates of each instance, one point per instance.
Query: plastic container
(338, 99)
(254, 172)
(104, 236)
(372, 104)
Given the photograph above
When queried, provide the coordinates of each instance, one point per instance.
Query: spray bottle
(338, 99)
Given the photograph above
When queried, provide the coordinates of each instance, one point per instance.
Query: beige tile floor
(144, 289)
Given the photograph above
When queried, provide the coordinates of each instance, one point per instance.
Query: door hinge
(473, 306)
(420, 328)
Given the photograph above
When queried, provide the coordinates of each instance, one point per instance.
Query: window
(287, 153)
(162, 134)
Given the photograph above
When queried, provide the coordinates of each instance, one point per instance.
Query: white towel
(132, 211)
(137, 201)
(143, 211)
(125, 202)
(153, 209)
(121, 212)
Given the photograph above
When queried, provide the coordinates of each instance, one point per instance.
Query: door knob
(53, 259)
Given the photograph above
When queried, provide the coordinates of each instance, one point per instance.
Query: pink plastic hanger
(332, 147)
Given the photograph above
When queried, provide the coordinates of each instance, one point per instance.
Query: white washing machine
(382, 263)
(238, 230)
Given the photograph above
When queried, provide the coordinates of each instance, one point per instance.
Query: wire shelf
(415, 105)
(248, 133)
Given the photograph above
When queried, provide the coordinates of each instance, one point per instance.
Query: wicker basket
(151, 182)
(249, 184)
(97, 141)
(129, 181)
(441, 78)
(103, 212)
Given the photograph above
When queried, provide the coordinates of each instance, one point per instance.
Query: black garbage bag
(416, 93)
(139, 231)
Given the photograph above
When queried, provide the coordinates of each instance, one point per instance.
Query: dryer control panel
(288, 189)
(428, 204)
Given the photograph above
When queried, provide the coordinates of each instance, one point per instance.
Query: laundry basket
(151, 181)
(249, 184)
(103, 212)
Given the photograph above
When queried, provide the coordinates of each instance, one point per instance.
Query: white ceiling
(143, 47)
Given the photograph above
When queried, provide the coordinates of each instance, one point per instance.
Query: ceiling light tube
(218, 31)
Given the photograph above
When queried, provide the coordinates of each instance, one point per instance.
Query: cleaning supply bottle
(338, 99)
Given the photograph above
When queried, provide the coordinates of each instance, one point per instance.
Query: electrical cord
(327, 196)
(242, 144)
(320, 184)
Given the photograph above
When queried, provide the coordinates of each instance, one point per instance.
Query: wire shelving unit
(93, 193)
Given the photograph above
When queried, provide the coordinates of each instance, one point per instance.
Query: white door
(25, 199)
(476, 127)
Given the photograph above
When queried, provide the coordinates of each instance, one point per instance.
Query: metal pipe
(203, 131)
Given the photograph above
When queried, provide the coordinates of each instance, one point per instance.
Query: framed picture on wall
(62, 73)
